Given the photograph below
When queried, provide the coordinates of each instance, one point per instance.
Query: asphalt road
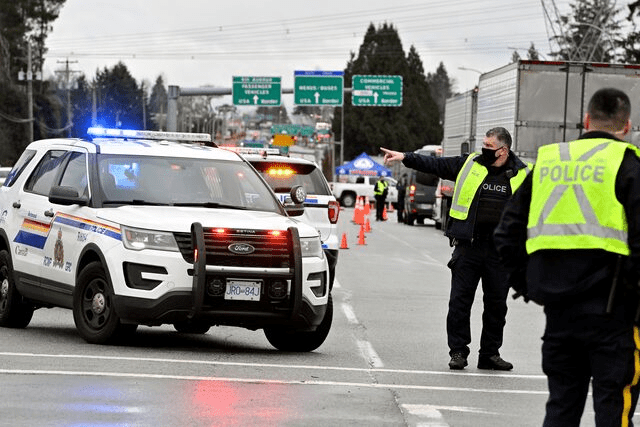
(383, 364)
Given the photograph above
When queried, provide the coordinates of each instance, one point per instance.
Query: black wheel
(348, 200)
(299, 341)
(190, 327)
(14, 313)
(420, 220)
(438, 225)
(93, 311)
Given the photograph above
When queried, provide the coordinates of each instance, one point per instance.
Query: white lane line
(349, 314)
(426, 410)
(427, 415)
(266, 381)
(268, 365)
(369, 354)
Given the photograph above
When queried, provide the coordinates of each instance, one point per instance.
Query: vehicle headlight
(138, 239)
(311, 247)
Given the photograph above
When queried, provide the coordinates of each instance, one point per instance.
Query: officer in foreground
(484, 182)
(579, 215)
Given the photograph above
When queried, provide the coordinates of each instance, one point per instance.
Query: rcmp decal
(35, 233)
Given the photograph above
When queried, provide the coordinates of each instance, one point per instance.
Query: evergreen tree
(631, 43)
(157, 106)
(119, 98)
(532, 53)
(440, 86)
(408, 127)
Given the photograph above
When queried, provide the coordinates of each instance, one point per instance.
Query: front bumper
(303, 306)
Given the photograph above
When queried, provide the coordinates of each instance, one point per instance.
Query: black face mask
(489, 155)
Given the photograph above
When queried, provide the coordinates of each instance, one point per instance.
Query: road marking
(349, 314)
(271, 365)
(264, 381)
(426, 410)
(428, 415)
(369, 354)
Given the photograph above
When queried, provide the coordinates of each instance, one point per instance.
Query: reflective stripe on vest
(573, 202)
(468, 181)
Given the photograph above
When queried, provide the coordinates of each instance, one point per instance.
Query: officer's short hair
(611, 107)
(501, 135)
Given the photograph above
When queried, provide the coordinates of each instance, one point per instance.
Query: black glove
(518, 281)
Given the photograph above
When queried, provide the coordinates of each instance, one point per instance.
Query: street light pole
(29, 94)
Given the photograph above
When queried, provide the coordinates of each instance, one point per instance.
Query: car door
(30, 224)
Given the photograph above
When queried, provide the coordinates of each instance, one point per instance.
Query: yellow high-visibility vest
(468, 182)
(573, 199)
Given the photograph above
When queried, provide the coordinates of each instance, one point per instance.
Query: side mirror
(294, 204)
(62, 195)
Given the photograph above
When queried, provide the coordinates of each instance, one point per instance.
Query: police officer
(380, 190)
(484, 182)
(578, 216)
(402, 191)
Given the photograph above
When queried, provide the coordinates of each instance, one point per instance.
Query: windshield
(145, 180)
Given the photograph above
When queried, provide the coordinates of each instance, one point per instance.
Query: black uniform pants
(469, 263)
(578, 347)
(380, 201)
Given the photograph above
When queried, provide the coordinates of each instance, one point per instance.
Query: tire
(348, 200)
(93, 311)
(420, 220)
(190, 327)
(301, 341)
(14, 313)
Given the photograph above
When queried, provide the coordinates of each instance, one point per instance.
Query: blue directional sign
(318, 88)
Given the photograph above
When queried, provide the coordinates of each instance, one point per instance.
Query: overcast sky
(193, 43)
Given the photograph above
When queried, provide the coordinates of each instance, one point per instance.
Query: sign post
(318, 88)
(376, 91)
(257, 91)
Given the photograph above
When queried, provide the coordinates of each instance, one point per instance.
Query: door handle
(49, 213)
(16, 205)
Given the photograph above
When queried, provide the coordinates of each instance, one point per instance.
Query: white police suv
(151, 228)
(322, 210)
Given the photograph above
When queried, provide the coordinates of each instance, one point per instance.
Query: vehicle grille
(270, 251)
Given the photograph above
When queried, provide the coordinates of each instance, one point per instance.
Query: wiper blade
(210, 205)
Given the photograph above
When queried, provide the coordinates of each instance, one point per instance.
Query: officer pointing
(484, 182)
(570, 237)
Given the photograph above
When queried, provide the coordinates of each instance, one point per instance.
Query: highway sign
(258, 91)
(318, 88)
(376, 91)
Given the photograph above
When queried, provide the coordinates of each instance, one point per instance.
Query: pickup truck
(355, 186)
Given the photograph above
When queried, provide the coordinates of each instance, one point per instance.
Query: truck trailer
(538, 102)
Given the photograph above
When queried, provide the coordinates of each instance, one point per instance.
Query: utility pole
(28, 76)
(67, 72)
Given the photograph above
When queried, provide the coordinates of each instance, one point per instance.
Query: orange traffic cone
(343, 244)
(384, 214)
(367, 206)
(390, 207)
(361, 236)
(367, 225)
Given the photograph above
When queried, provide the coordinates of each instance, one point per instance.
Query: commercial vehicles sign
(376, 91)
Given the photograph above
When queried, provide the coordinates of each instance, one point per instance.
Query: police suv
(322, 210)
(151, 228)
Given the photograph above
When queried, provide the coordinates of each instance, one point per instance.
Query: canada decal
(33, 233)
(88, 225)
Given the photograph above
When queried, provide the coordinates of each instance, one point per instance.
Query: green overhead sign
(257, 91)
(376, 91)
(318, 88)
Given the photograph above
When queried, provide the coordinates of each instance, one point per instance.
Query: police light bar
(148, 134)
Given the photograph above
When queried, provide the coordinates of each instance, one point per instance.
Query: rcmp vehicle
(151, 228)
(321, 210)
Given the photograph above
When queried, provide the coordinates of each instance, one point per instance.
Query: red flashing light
(280, 172)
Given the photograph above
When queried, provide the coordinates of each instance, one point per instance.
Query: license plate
(245, 290)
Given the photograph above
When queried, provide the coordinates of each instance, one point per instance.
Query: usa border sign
(376, 91)
(259, 91)
(318, 88)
